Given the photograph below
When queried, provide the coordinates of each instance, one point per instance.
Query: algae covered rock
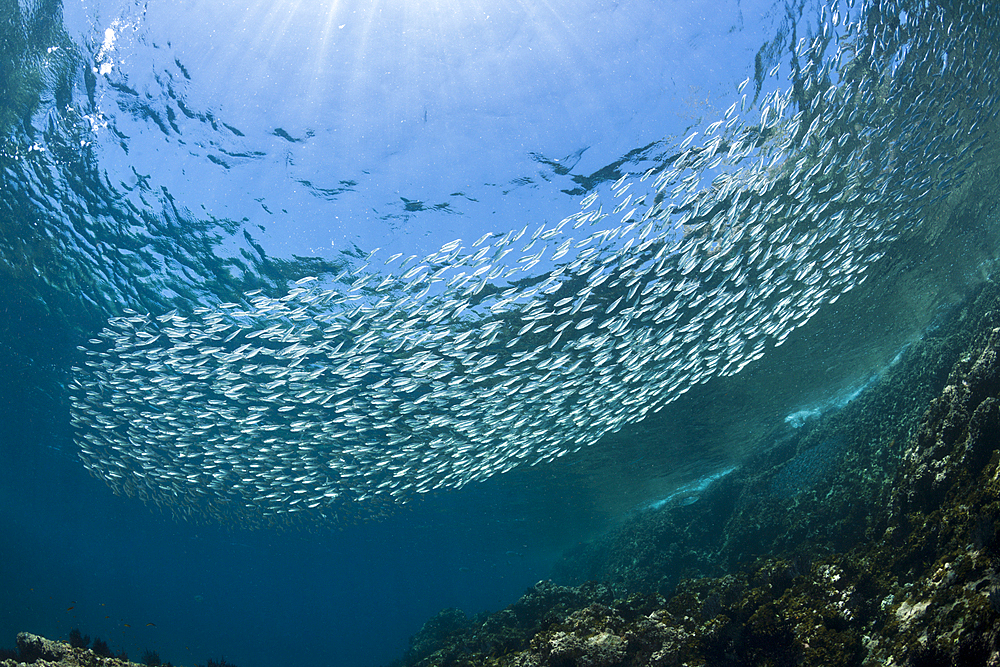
(887, 552)
(32, 648)
(36, 650)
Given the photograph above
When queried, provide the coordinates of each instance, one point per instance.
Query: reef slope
(841, 545)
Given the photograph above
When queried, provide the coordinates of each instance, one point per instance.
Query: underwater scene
(438, 333)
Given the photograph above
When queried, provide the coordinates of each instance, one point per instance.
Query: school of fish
(410, 373)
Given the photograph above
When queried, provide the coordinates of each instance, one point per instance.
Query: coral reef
(840, 545)
(35, 650)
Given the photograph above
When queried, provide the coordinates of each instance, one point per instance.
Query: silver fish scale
(342, 400)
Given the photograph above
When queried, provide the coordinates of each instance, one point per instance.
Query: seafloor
(868, 537)
(871, 537)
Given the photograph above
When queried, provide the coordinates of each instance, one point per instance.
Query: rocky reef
(871, 537)
(42, 652)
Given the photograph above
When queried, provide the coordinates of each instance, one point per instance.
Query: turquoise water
(318, 320)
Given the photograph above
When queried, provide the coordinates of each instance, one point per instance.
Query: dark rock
(33, 648)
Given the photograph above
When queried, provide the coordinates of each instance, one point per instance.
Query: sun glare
(392, 57)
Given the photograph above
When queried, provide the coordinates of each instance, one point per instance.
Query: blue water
(76, 556)
(161, 157)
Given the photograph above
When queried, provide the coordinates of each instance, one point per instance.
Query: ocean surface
(316, 319)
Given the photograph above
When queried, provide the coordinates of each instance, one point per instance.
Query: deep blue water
(76, 556)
